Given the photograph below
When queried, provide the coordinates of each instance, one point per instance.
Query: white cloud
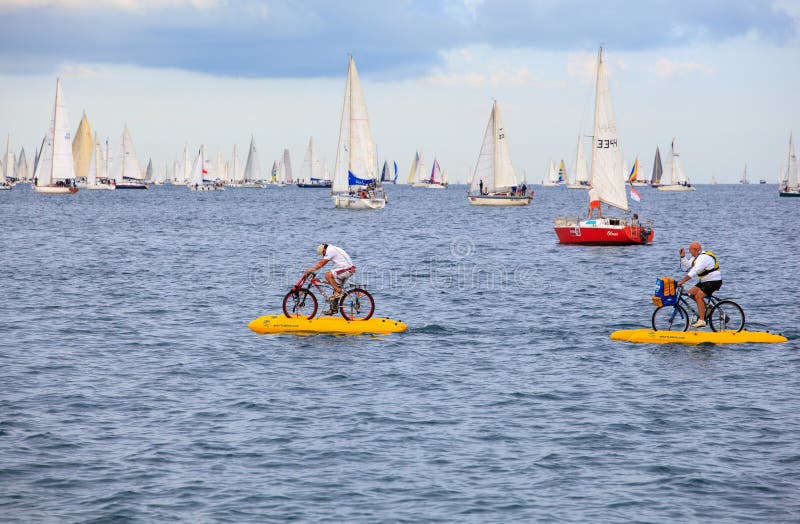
(665, 68)
(124, 5)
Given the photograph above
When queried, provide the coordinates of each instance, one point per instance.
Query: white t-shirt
(702, 263)
(338, 257)
(594, 195)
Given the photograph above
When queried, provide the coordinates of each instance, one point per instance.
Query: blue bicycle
(721, 315)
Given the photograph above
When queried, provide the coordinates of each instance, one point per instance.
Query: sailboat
(236, 172)
(581, 172)
(633, 176)
(494, 182)
(252, 168)
(55, 171)
(386, 174)
(354, 181)
(744, 179)
(127, 170)
(678, 180)
(7, 167)
(436, 180)
(312, 174)
(93, 172)
(789, 185)
(415, 174)
(82, 149)
(551, 175)
(608, 180)
(200, 168)
(22, 167)
(658, 170)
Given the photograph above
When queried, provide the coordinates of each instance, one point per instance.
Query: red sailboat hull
(604, 234)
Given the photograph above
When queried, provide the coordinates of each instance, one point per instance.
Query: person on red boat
(594, 202)
(705, 266)
(343, 269)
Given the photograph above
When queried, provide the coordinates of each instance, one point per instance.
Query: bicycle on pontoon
(355, 304)
(679, 310)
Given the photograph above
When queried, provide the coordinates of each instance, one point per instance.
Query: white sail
(326, 173)
(287, 168)
(607, 172)
(55, 162)
(311, 167)
(792, 179)
(148, 172)
(200, 168)
(252, 170)
(95, 162)
(356, 151)
(676, 172)
(419, 176)
(236, 174)
(493, 168)
(581, 171)
(219, 172)
(552, 173)
(22, 166)
(8, 163)
(127, 164)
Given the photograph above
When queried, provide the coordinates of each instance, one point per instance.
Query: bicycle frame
(690, 305)
(317, 283)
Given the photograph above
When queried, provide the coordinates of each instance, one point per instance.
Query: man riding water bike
(343, 269)
(705, 266)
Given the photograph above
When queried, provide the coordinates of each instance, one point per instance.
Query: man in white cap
(343, 268)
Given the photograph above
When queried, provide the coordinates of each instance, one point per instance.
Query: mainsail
(83, 147)
(493, 167)
(658, 170)
(676, 172)
(581, 171)
(252, 170)
(55, 159)
(312, 171)
(608, 177)
(355, 152)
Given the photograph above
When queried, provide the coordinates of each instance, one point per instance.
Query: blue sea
(132, 390)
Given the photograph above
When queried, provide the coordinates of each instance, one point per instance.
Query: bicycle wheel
(670, 318)
(357, 304)
(726, 315)
(300, 304)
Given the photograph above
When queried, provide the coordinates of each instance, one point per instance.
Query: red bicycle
(355, 304)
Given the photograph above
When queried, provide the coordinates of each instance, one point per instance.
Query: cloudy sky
(721, 76)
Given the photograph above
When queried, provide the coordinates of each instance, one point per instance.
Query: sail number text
(606, 143)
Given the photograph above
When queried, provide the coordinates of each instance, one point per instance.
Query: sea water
(132, 389)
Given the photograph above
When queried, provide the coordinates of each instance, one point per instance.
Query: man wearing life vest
(343, 268)
(705, 266)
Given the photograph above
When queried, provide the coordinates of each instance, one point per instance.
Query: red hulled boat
(608, 178)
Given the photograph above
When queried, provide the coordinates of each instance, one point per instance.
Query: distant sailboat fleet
(65, 163)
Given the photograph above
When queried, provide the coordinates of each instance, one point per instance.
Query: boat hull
(308, 186)
(603, 232)
(55, 190)
(648, 336)
(131, 185)
(499, 200)
(270, 324)
(107, 187)
(355, 202)
(677, 187)
(790, 193)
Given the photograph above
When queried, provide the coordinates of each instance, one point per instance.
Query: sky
(721, 77)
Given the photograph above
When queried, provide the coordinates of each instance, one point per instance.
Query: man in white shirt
(705, 266)
(343, 268)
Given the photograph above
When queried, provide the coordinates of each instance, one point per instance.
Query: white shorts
(341, 275)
